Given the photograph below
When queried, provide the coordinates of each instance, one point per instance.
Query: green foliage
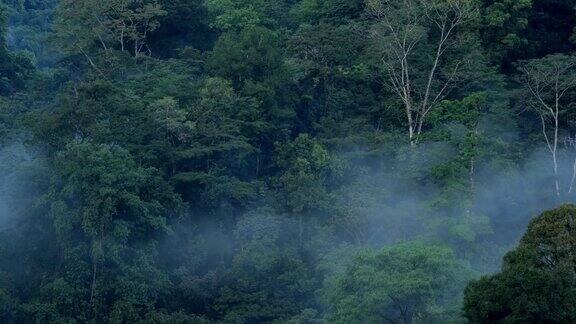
(503, 26)
(238, 14)
(216, 143)
(536, 283)
(30, 27)
(246, 161)
(304, 181)
(402, 283)
(88, 28)
(14, 67)
(251, 54)
(101, 207)
(184, 24)
(110, 191)
(269, 279)
(312, 11)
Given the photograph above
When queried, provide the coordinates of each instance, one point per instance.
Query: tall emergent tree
(88, 27)
(415, 38)
(547, 82)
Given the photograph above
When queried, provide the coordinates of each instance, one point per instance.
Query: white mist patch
(14, 159)
(511, 198)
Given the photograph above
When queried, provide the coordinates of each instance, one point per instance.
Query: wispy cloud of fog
(21, 177)
(398, 202)
(512, 198)
(10, 158)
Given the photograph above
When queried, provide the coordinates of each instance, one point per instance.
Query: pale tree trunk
(95, 260)
(571, 146)
(547, 86)
(122, 39)
(472, 185)
(553, 148)
(399, 41)
(555, 154)
(573, 177)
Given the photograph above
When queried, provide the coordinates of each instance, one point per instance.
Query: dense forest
(287, 161)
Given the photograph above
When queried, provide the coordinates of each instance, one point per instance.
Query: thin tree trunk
(472, 184)
(555, 153)
(556, 180)
(573, 177)
(89, 59)
(94, 270)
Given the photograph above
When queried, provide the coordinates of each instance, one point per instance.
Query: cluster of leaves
(537, 280)
(403, 283)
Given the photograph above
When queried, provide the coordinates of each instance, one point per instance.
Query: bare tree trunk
(556, 177)
(94, 272)
(89, 59)
(400, 39)
(301, 228)
(573, 177)
(472, 184)
(555, 155)
(553, 148)
(122, 39)
(547, 81)
(93, 289)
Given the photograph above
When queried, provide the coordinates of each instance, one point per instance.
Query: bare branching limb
(400, 27)
(546, 82)
(85, 26)
(571, 146)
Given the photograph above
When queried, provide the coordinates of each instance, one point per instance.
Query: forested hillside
(283, 161)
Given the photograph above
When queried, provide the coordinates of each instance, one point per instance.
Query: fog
(23, 179)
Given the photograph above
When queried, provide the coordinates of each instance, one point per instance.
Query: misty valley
(288, 161)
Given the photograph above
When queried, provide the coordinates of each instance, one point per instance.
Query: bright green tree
(402, 283)
(104, 208)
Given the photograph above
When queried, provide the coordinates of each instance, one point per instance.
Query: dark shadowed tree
(537, 283)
